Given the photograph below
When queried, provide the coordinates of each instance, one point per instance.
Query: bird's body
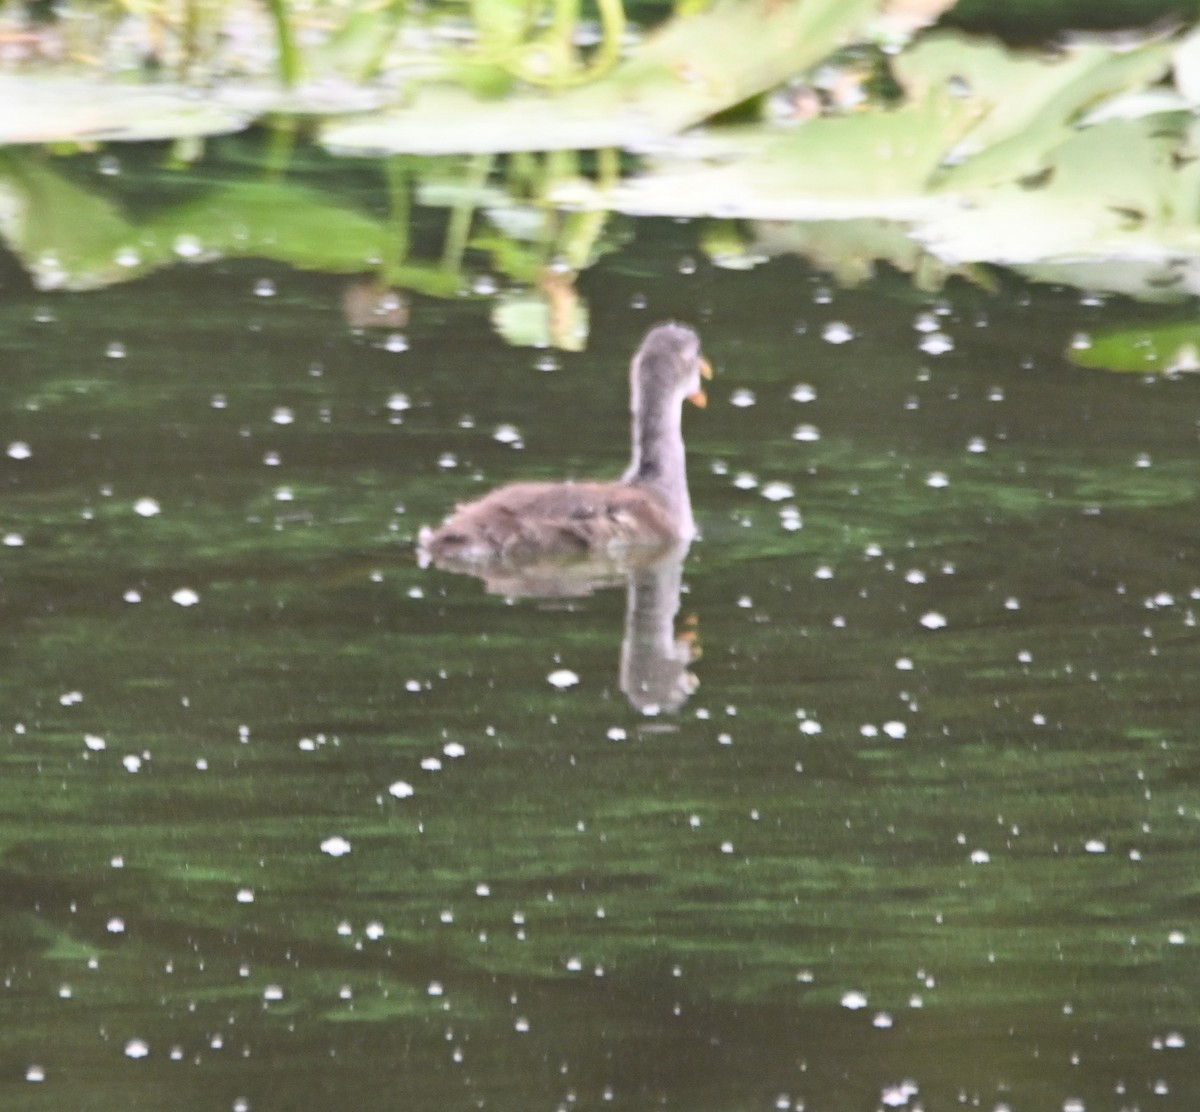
(525, 520)
(647, 508)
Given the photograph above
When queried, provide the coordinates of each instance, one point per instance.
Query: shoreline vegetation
(853, 132)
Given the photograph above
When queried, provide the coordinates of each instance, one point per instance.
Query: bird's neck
(658, 463)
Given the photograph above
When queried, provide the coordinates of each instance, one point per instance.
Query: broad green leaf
(276, 220)
(357, 48)
(67, 236)
(1156, 349)
(851, 250)
(519, 260)
(84, 110)
(1162, 277)
(691, 69)
(538, 319)
(874, 163)
(80, 110)
(500, 24)
(1028, 103)
(1112, 191)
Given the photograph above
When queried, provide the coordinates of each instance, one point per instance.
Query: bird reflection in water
(655, 670)
(568, 538)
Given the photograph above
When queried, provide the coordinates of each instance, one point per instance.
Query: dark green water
(985, 834)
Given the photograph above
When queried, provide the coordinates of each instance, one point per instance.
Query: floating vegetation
(1166, 349)
(838, 130)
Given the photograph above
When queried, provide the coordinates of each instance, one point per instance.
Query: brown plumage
(648, 507)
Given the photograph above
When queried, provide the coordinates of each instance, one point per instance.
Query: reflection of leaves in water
(64, 234)
(72, 237)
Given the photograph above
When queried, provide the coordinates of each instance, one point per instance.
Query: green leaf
(691, 69)
(1112, 192)
(79, 110)
(1158, 349)
(277, 220)
(533, 319)
(875, 163)
(69, 237)
(500, 24)
(1027, 103)
(66, 236)
(56, 110)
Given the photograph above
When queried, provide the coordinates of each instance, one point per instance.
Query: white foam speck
(896, 1095)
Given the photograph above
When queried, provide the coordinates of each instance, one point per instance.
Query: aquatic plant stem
(390, 19)
(281, 144)
(612, 26)
(565, 70)
(290, 61)
(608, 167)
(459, 229)
(396, 244)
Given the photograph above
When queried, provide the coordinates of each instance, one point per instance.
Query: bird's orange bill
(700, 398)
(689, 638)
